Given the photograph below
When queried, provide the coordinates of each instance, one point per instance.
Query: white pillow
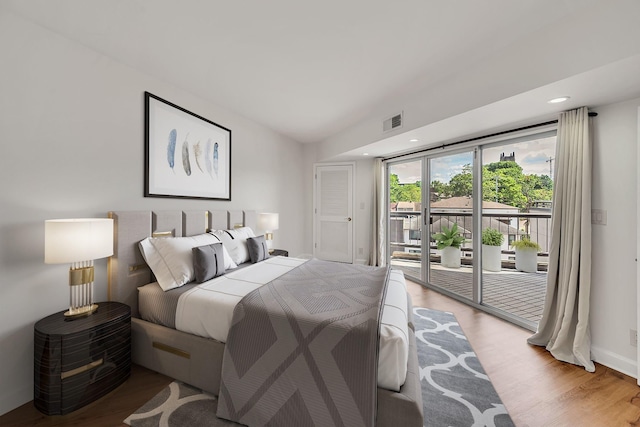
(171, 258)
(236, 242)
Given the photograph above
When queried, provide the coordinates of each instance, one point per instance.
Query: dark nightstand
(279, 252)
(78, 361)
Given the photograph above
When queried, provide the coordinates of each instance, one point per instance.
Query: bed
(198, 360)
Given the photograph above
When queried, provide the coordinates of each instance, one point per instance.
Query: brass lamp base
(80, 311)
(81, 290)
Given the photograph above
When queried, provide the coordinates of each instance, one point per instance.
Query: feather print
(171, 148)
(215, 158)
(208, 162)
(197, 152)
(185, 158)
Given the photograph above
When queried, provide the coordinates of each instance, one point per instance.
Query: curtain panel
(564, 326)
(378, 231)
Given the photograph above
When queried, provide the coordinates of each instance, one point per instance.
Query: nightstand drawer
(78, 361)
(104, 340)
(85, 387)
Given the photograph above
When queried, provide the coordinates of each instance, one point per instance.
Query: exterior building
(509, 158)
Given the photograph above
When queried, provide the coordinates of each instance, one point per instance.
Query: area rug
(455, 389)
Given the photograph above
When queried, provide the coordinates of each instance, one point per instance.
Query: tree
(438, 189)
(394, 188)
(410, 193)
(537, 187)
(462, 183)
(403, 192)
(504, 182)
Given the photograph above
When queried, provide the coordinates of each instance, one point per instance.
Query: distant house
(408, 206)
(465, 204)
(540, 228)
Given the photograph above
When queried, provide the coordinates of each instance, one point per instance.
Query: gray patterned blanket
(302, 349)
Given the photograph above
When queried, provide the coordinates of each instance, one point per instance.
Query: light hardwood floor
(536, 389)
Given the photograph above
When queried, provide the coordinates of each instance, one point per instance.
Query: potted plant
(492, 249)
(526, 255)
(448, 241)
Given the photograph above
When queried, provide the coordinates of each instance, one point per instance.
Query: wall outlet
(360, 251)
(633, 337)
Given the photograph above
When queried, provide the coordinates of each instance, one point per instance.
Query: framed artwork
(187, 156)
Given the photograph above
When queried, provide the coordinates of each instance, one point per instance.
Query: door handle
(349, 219)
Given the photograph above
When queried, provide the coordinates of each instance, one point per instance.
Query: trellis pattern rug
(455, 389)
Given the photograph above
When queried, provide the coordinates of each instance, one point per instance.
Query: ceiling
(311, 70)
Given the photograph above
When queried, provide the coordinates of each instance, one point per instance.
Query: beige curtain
(564, 327)
(378, 210)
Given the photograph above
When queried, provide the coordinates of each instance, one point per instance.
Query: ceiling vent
(393, 122)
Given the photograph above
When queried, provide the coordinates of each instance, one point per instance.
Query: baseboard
(615, 361)
(362, 261)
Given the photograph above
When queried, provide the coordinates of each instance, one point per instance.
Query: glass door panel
(405, 217)
(517, 191)
(451, 223)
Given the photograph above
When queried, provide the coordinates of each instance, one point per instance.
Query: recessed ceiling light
(413, 140)
(365, 154)
(558, 100)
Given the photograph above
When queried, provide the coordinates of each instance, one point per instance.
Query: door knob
(349, 219)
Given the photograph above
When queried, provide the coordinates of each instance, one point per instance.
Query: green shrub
(492, 237)
(525, 243)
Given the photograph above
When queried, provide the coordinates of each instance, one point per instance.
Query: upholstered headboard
(128, 270)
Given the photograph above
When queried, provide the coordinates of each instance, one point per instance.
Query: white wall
(71, 123)
(613, 270)
(363, 210)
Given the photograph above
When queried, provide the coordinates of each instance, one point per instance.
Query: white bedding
(207, 310)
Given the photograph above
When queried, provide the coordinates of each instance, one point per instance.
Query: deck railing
(406, 233)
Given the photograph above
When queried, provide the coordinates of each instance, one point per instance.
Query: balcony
(519, 293)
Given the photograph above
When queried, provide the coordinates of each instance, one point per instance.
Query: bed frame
(196, 360)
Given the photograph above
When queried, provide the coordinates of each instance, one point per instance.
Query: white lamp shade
(74, 240)
(268, 221)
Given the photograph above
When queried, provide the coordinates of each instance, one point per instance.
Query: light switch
(598, 217)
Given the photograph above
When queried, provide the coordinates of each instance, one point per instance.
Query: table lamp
(268, 222)
(78, 242)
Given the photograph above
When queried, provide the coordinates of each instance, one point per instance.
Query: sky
(532, 156)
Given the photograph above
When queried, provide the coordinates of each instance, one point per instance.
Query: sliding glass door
(418, 231)
(451, 228)
(459, 233)
(405, 228)
(517, 193)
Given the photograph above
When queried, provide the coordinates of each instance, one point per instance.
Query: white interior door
(333, 212)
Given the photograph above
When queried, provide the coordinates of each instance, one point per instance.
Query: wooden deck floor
(518, 293)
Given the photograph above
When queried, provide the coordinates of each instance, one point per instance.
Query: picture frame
(186, 155)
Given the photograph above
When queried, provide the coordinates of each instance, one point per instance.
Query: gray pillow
(257, 247)
(208, 262)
